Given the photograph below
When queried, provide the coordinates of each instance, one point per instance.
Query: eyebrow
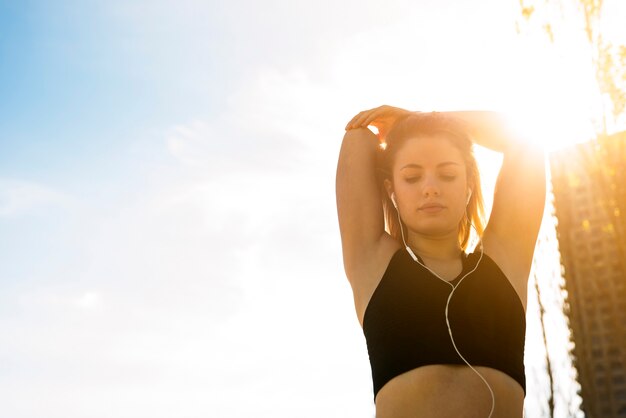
(445, 163)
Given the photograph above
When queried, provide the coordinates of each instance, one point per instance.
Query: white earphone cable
(415, 258)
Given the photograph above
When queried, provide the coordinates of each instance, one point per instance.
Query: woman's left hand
(382, 117)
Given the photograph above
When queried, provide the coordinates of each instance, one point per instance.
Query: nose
(430, 187)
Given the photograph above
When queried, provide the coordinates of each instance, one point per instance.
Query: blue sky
(168, 235)
(69, 67)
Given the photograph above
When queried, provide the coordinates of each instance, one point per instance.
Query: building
(589, 185)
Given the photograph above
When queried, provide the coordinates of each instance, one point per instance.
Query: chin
(435, 229)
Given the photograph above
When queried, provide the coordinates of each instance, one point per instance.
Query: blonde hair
(432, 124)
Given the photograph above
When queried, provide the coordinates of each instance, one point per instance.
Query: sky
(168, 237)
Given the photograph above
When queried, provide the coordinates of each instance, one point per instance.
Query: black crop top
(405, 324)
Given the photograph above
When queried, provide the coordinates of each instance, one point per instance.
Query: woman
(444, 329)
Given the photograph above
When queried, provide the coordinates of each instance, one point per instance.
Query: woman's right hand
(382, 117)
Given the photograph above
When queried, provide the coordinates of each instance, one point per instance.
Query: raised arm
(489, 129)
(519, 197)
(359, 204)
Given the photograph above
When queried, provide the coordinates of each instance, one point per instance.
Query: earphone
(454, 287)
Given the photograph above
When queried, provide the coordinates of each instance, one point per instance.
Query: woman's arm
(359, 203)
(488, 129)
(520, 192)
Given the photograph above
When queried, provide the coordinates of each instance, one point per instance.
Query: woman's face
(430, 185)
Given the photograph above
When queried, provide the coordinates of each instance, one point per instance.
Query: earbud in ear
(393, 200)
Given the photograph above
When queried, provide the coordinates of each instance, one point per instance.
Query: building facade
(589, 186)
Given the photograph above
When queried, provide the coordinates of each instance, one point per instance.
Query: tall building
(589, 185)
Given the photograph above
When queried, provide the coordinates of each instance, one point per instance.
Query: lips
(431, 207)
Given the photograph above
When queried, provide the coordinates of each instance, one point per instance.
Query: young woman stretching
(444, 326)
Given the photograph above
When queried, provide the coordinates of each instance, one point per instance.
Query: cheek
(407, 190)
(459, 197)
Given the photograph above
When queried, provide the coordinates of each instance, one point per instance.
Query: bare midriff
(450, 391)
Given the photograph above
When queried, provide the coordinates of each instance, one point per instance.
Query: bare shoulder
(366, 274)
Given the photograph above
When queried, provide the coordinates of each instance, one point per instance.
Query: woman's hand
(383, 118)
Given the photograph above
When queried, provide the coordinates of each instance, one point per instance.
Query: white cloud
(21, 196)
(89, 300)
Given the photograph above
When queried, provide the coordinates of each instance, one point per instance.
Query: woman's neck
(435, 248)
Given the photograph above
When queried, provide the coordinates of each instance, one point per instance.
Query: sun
(560, 103)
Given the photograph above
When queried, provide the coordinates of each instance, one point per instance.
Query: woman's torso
(444, 391)
(439, 390)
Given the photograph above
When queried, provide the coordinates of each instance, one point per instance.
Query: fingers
(366, 117)
(350, 124)
(371, 116)
(357, 121)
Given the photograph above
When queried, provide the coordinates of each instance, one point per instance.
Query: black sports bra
(405, 324)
